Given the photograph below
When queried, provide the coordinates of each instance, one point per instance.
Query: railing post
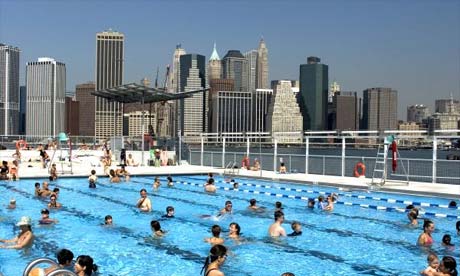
(290, 163)
(247, 146)
(212, 159)
(435, 157)
(307, 153)
(202, 149)
(324, 165)
(343, 156)
(275, 154)
(223, 152)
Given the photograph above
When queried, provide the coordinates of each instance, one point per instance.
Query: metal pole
(143, 128)
(307, 145)
(275, 154)
(223, 152)
(260, 153)
(247, 146)
(180, 147)
(343, 156)
(202, 149)
(435, 157)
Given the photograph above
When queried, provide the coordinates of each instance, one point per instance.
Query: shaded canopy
(137, 93)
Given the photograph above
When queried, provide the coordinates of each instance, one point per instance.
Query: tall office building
(174, 87)
(109, 73)
(335, 88)
(214, 65)
(46, 82)
(216, 85)
(346, 107)
(22, 109)
(380, 109)
(193, 109)
(417, 113)
(445, 105)
(251, 57)
(9, 90)
(72, 118)
(235, 66)
(313, 95)
(86, 112)
(261, 99)
(262, 66)
(284, 114)
(232, 112)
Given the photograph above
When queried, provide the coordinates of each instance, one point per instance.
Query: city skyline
(410, 46)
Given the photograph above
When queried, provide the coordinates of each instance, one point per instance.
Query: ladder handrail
(37, 261)
(61, 271)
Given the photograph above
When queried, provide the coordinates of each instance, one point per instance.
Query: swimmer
(45, 191)
(425, 239)
(234, 231)
(235, 185)
(215, 239)
(253, 204)
(85, 266)
(108, 220)
(288, 274)
(46, 217)
(311, 203)
(114, 178)
(38, 191)
(56, 192)
(209, 186)
(452, 204)
(12, 204)
(447, 267)
(412, 216)
(447, 242)
(53, 203)
(276, 230)
(433, 264)
(24, 239)
(278, 206)
(156, 228)
(169, 212)
(215, 259)
(144, 203)
(321, 204)
(92, 179)
(296, 228)
(228, 209)
(330, 204)
(156, 183)
(457, 226)
(170, 181)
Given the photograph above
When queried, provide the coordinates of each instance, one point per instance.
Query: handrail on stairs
(37, 261)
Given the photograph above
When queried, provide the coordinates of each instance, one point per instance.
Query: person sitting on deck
(53, 172)
(4, 171)
(245, 163)
(283, 168)
(256, 166)
(130, 161)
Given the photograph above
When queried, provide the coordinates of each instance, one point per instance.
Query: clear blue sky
(412, 46)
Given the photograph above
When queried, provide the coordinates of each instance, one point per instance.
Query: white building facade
(9, 90)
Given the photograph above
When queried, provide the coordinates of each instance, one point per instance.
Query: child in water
(433, 264)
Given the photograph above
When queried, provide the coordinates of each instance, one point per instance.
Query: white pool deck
(419, 188)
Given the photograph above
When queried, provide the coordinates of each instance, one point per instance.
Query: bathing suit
(293, 234)
(42, 221)
(210, 271)
(429, 240)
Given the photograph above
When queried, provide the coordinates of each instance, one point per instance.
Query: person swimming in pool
(227, 210)
(425, 239)
(144, 204)
(156, 228)
(46, 217)
(24, 239)
(108, 220)
(234, 230)
(169, 212)
(296, 228)
(215, 239)
(53, 203)
(215, 259)
(276, 230)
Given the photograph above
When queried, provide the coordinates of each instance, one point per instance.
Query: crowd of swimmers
(218, 252)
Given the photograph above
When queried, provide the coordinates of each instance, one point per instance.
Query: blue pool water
(352, 240)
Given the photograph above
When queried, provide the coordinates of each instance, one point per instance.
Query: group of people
(9, 170)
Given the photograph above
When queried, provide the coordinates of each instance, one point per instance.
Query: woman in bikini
(214, 261)
(425, 239)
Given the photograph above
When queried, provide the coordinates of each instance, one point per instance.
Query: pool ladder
(35, 262)
(230, 168)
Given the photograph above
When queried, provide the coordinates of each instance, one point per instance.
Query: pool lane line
(389, 200)
(375, 207)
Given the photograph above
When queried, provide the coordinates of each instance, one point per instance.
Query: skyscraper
(445, 105)
(22, 109)
(232, 112)
(417, 113)
(215, 86)
(109, 73)
(9, 90)
(335, 88)
(214, 65)
(234, 66)
(46, 82)
(174, 87)
(380, 109)
(313, 95)
(251, 56)
(346, 111)
(194, 109)
(262, 66)
(86, 126)
(261, 99)
(284, 114)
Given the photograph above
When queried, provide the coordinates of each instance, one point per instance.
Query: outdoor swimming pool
(352, 240)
